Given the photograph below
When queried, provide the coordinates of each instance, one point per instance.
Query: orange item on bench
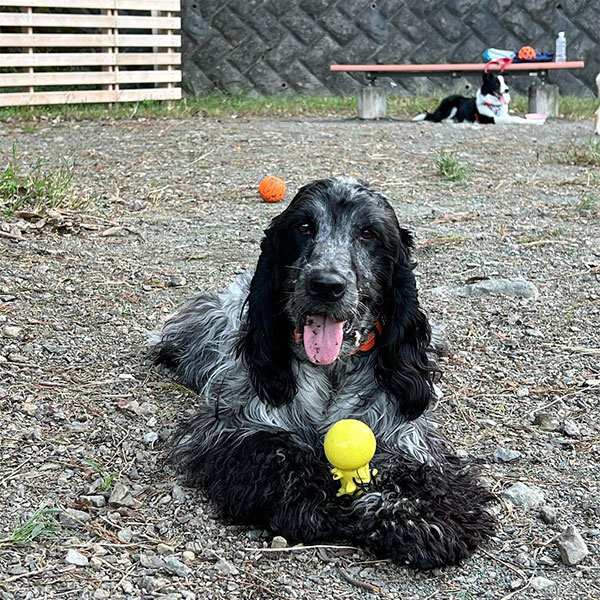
(527, 53)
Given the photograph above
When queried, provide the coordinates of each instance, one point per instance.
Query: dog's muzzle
(326, 286)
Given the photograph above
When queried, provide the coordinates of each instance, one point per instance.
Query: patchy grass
(576, 108)
(573, 108)
(222, 105)
(37, 189)
(42, 523)
(586, 154)
(588, 204)
(449, 167)
(219, 105)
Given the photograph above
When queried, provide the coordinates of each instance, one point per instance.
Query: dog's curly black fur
(336, 254)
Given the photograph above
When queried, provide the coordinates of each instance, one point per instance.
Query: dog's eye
(304, 228)
(366, 234)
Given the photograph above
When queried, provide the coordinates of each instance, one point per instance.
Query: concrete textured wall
(287, 46)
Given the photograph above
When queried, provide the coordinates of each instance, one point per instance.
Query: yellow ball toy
(349, 446)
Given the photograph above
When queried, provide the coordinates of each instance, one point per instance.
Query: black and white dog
(287, 351)
(489, 106)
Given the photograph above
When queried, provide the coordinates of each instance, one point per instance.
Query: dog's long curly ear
(265, 342)
(403, 368)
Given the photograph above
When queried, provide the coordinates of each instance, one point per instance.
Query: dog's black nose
(327, 286)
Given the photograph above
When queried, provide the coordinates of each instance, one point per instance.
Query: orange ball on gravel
(272, 189)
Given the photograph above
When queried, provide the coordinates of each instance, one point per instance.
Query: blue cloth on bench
(543, 57)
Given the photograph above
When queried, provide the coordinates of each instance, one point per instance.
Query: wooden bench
(372, 100)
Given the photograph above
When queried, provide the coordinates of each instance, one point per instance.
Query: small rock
(515, 584)
(533, 332)
(225, 568)
(101, 594)
(164, 549)
(546, 421)
(542, 584)
(546, 561)
(254, 534)
(522, 392)
(94, 500)
(518, 288)
(127, 587)
(121, 496)
(99, 550)
(524, 495)
(571, 428)
(279, 542)
(504, 455)
(77, 426)
(176, 567)
(595, 532)
(188, 556)
(150, 439)
(571, 546)
(150, 584)
(548, 514)
(30, 408)
(12, 331)
(147, 408)
(53, 349)
(74, 518)
(151, 561)
(177, 280)
(76, 558)
(178, 494)
(125, 535)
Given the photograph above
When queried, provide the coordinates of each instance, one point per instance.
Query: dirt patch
(85, 416)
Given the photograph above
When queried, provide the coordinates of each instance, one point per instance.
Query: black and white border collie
(489, 106)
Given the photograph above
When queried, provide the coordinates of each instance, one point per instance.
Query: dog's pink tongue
(323, 339)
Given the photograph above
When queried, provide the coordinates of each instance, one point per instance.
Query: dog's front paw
(424, 517)
(390, 527)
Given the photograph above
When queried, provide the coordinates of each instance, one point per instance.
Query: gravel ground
(85, 417)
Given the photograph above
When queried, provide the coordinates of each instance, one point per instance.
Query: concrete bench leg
(372, 103)
(544, 99)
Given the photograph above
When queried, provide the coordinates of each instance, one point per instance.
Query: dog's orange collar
(371, 340)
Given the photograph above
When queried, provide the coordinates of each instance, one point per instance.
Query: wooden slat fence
(71, 51)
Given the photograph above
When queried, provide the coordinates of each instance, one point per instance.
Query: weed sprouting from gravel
(588, 204)
(37, 189)
(449, 167)
(587, 154)
(107, 478)
(42, 523)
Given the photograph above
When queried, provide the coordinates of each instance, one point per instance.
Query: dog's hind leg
(446, 110)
